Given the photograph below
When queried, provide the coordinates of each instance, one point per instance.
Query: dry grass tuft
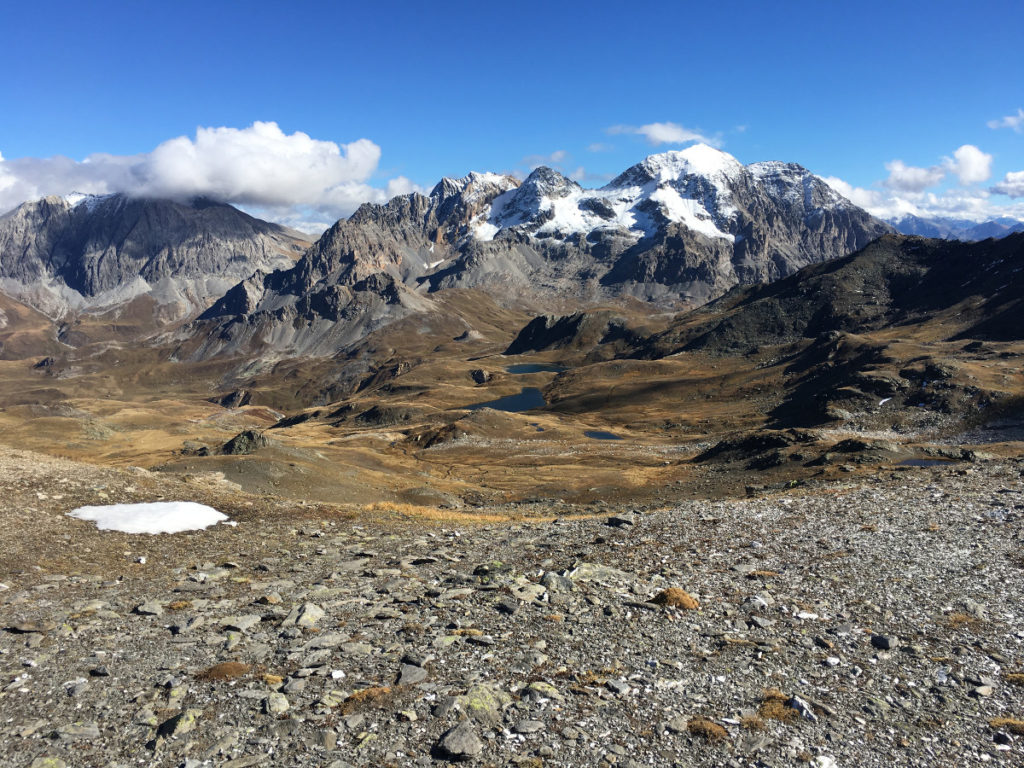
(431, 513)
(1014, 678)
(179, 605)
(960, 620)
(228, 670)
(753, 723)
(707, 729)
(369, 698)
(774, 707)
(1008, 724)
(673, 597)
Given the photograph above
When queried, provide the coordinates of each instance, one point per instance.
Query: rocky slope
(678, 228)
(869, 623)
(969, 290)
(62, 255)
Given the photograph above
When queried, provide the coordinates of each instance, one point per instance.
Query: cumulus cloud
(556, 157)
(665, 133)
(970, 164)
(259, 167)
(1014, 122)
(1012, 185)
(908, 178)
(958, 203)
(599, 146)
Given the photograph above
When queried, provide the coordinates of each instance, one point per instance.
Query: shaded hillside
(963, 290)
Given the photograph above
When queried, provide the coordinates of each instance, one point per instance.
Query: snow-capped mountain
(87, 252)
(678, 228)
(956, 229)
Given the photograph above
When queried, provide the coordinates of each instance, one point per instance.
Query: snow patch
(156, 517)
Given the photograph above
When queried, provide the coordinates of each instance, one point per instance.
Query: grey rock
(410, 674)
(460, 743)
(885, 642)
(150, 608)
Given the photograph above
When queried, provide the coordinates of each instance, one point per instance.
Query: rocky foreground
(875, 624)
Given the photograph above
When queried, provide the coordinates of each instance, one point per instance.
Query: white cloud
(534, 161)
(1016, 122)
(1012, 185)
(970, 164)
(259, 166)
(666, 133)
(972, 204)
(907, 178)
(599, 146)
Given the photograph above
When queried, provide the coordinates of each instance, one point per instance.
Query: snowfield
(157, 517)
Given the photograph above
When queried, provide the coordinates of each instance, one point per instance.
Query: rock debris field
(872, 623)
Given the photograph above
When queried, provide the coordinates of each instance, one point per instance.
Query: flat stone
(241, 623)
(34, 625)
(304, 616)
(528, 726)
(410, 674)
(79, 730)
(150, 608)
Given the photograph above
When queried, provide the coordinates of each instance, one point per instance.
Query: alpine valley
(516, 468)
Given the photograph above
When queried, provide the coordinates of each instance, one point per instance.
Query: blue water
(600, 434)
(526, 400)
(534, 368)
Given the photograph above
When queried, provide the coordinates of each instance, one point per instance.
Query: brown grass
(774, 707)
(753, 723)
(1014, 678)
(960, 620)
(377, 697)
(179, 605)
(673, 597)
(1008, 724)
(228, 670)
(706, 729)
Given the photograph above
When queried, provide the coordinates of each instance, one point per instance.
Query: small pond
(522, 368)
(528, 399)
(600, 434)
(926, 463)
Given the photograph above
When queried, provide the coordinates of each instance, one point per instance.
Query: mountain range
(947, 228)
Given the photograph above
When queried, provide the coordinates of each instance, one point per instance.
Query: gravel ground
(875, 623)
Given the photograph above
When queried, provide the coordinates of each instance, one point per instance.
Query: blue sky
(879, 96)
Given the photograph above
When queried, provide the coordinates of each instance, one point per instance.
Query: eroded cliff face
(61, 255)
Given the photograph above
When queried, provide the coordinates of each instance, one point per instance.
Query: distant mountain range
(956, 229)
(677, 230)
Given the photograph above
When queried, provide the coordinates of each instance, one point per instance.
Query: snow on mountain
(698, 187)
